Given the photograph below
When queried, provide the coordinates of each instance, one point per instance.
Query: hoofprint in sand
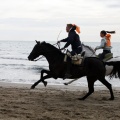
(19, 102)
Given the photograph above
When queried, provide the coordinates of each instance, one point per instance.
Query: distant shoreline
(49, 41)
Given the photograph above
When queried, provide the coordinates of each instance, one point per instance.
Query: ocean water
(16, 68)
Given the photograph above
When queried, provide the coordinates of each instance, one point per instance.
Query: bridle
(56, 44)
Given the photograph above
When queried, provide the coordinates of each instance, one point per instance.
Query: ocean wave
(12, 65)
(33, 68)
(13, 58)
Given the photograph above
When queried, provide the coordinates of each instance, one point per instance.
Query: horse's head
(36, 52)
(89, 52)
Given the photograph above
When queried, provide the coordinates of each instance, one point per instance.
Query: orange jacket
(108, 42)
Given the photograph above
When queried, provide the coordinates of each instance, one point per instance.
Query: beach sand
(19, 102)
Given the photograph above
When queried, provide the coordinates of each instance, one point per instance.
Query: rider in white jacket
(105, 43)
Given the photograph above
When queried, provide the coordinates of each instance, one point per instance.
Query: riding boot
(68, 74)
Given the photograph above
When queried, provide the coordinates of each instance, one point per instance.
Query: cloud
(115, 6)
(109, 3)
(44, 19)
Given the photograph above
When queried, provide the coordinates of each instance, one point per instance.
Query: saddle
(76, 59)
(108, 57)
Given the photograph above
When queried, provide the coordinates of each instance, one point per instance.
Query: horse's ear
(38, 42)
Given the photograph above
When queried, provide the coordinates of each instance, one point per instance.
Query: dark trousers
(69, 64)
(102, 56)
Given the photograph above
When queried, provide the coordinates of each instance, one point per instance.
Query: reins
(90, 49)
(39, 58)
(59, 46)
(92, 54)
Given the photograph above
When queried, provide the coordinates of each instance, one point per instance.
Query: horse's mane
(90, 48)
(54, 49)
(51, 47)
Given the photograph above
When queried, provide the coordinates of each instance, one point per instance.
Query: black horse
(93, 68)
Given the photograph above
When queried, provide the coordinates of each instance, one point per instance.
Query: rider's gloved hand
(59, 41)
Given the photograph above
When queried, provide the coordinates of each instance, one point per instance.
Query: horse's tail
(116, 69)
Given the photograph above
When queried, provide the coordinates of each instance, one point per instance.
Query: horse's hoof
(45, 83)
(65, 84)
(32, 87)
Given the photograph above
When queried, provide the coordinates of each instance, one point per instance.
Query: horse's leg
(42, 78)
(70, 81)
(91, 81)
(45, 77)
(109, 86)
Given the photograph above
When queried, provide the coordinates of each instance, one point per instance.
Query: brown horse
(93, 68)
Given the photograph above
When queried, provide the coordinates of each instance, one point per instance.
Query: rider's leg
(79, 51)
(69, 64)
(102, 56)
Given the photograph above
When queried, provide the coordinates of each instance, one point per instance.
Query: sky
(29, 20)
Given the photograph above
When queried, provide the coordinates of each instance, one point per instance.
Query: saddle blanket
(76, 59)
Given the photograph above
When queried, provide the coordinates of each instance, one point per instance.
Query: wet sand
(18, 102)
